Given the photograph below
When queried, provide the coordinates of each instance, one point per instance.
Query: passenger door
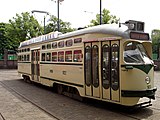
(35, 64)
(92, 69)
(110, 70)
(101, 70)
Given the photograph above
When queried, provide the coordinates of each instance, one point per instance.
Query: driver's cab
(135, 53)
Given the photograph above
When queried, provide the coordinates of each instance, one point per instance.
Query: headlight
(147, 80)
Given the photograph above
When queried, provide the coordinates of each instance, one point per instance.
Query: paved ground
(60, 106)
(13, 107)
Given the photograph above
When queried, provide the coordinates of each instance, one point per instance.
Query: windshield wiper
(132, 58)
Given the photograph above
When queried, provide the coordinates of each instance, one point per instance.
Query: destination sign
(139, 36)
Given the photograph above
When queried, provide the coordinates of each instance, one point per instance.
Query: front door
(110, 70)
(35, 63)
(102, 70)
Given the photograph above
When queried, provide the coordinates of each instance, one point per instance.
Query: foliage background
(24, 26)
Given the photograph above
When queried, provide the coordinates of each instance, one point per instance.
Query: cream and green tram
(111, 63)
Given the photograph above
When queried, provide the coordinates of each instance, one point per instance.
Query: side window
(48, 46)
(77, 57)
(28, 49)
(69, 43)
(88, 65)
(61, 44)
(43, 47)
(61, 56)
(54, 56)
(27, 57)
(48, 57)
(43, 56)
(68, 56)
(24, 57)
(77, 40)
(19, 57)
(54, 45)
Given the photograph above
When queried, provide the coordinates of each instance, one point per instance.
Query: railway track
(2, 117)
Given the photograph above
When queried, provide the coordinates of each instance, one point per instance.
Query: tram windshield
(134, 52)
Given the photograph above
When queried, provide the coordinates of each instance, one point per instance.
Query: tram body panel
(70, 74)
(129, 101)
(24, 68)
(46, 82)
(135, 79)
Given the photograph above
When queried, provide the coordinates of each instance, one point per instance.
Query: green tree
(3, 38)
(21, 28)
(106, 18)
(64, 26)
(155, 35)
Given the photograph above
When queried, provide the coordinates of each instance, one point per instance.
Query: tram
(110, 63)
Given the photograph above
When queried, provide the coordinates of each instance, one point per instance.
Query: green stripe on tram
(144, 68)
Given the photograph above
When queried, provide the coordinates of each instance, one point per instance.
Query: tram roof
(111, 29)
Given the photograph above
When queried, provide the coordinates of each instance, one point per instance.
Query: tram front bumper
(150, 93)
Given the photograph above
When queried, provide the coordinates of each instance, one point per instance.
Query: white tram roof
(111, 29)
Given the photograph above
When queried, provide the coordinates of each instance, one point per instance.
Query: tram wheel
(24, 78)
(60, 89)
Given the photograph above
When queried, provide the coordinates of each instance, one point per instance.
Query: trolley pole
(58, 25)
(47, 13)
(158, 57)
(58, 21)
(44, 25)
(100, 16)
